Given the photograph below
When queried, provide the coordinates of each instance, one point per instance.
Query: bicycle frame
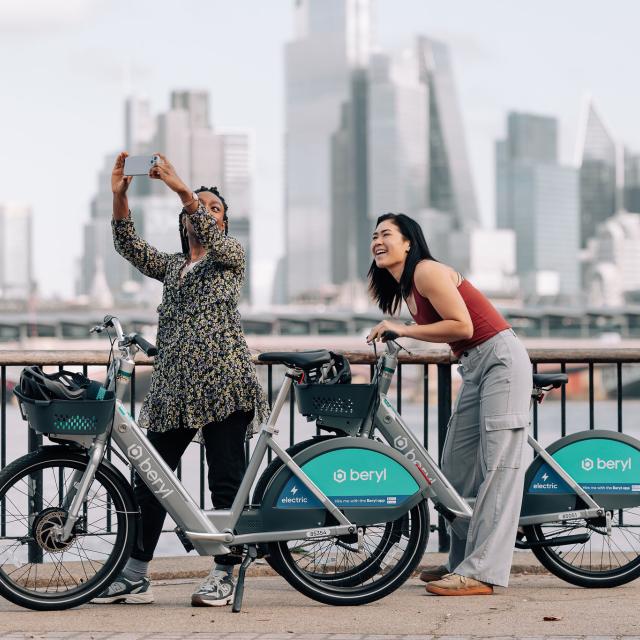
(209, 531)
(447, 500)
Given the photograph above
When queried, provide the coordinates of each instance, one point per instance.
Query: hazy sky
(63, 80)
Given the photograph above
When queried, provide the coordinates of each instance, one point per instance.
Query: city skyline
(71, 118)
(204, 155)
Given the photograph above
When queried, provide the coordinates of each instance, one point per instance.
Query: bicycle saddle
(554, 380)
(300, 359)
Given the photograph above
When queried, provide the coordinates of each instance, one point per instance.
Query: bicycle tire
(578, 564)
(347, 576)
(263, 481)
(386, 580)
(73, 580)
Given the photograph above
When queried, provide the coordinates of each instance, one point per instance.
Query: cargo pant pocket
(504, 438)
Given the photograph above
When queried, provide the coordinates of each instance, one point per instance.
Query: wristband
(194, 197)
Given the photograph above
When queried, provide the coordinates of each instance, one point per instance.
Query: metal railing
(424, 383)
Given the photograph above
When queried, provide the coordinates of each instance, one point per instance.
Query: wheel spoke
(605, 559)
(70, 567)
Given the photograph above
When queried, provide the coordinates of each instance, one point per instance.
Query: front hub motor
(45, 527)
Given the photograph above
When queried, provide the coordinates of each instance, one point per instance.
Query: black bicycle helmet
(340, 372)
(35, 384)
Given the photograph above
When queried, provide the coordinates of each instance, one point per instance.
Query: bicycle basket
(89, 412)
(346, 401)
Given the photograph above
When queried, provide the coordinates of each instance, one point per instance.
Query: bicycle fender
(368, 481)
(606, 464)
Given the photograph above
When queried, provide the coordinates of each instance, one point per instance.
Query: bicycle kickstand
(252, 554)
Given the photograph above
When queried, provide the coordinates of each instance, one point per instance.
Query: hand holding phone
(140, 165)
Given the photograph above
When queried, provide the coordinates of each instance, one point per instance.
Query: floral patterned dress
(203, 371)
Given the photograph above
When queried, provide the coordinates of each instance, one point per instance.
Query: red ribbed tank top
(487, 320)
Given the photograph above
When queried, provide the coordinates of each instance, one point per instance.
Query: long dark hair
(184, 239)
(383, 287)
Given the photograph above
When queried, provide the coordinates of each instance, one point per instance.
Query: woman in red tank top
(482, 456)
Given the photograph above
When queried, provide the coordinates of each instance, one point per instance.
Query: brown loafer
(429, 574)
(454, 584)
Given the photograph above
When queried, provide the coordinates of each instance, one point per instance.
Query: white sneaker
(215, 591)
(125, 591)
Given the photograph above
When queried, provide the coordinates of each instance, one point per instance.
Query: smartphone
(139, 165)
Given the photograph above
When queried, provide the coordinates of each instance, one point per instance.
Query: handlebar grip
(147, 347)
(389, 335)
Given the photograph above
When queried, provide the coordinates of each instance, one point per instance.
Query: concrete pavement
(272, 607)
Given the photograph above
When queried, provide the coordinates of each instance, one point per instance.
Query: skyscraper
(612, 273)
(236, 185)
(450, 183)
(597, 154)
(16, 252)
(332, 38)
(539, 199)
(398, 156)
(632, 182)
(350, 222)
(530, 138)
(546, 211)
(196, 104)
(400, 142)
(138, 125)
(201, 156)
(98, 242)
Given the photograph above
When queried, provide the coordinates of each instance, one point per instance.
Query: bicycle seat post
(290, 375)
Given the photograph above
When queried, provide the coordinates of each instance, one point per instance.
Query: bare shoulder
(430, 276)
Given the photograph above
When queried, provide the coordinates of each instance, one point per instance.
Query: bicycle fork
(79, 489)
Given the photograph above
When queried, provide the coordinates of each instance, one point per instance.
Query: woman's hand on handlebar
(386, 325)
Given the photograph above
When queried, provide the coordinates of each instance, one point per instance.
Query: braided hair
(184, 240)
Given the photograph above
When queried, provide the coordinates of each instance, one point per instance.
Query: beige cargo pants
(483, 454)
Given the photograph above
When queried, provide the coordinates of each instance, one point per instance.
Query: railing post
(444, 413)
(35, 495)
(3, 442)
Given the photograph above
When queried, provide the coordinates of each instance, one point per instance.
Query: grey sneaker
(215, 591)
(123, 590)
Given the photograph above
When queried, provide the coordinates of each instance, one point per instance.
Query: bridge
(538, 323)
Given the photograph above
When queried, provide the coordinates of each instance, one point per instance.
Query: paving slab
(271, 606)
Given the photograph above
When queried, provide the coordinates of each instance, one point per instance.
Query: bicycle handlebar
(147, 347)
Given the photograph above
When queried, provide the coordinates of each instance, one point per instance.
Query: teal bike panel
(598, 465)
(350, 478)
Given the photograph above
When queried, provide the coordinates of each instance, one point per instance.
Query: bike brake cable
(401, 347)
(112, 341)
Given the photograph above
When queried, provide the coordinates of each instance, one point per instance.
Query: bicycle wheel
(343, 573)
(311, 566)
(36, 570)
(603, 560)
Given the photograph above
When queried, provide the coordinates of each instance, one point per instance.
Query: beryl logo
(356, 475)
(587, 464)
(145, 468)
(400, 442)
(134, 451)
(615, 464)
